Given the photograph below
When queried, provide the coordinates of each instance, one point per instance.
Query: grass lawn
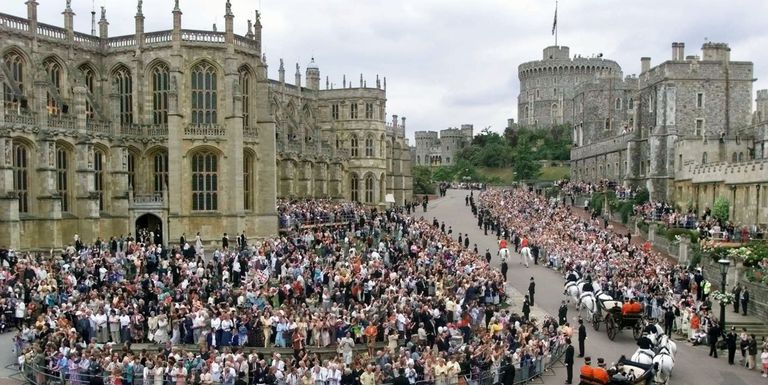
(507, 174)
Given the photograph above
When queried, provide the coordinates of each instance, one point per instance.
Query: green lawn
(507, 175)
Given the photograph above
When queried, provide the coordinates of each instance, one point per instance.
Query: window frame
(204, 94)
(205, 183)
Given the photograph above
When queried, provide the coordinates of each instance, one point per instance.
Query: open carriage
(609, 312)
(626, 372)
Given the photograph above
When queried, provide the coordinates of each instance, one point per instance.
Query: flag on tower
(554, 24)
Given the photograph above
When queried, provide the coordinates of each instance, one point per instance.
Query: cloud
(449, 62)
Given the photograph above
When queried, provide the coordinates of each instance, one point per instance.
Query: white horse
(589, 302)
(663, 363)
(663, 342)
(643, 356)
(572, 290)
(601, 295)
(525, 254)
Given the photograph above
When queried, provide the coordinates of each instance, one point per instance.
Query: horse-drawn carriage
(615, 320)
(625, 372)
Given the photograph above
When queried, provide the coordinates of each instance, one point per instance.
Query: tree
(422, 180)
(525, 167)
(720, 210)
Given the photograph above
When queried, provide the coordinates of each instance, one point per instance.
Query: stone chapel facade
(177, 131)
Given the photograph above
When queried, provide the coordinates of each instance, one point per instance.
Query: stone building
(689, 134)
(433, 149)
(175, 131)
(548, 86)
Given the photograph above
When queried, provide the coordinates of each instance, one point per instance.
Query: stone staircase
(754, 326)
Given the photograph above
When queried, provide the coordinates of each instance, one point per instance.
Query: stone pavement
(692, 364)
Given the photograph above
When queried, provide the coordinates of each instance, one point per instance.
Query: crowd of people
(672, 294)
(569, 187)
(295, 213)
(422, 307)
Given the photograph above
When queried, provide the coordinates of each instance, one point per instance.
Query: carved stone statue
(229, 7)
(69, 4)
(138, 6)
(51, 150)
(8, 149)
(176, 5)
(103, 13)
(258, 17)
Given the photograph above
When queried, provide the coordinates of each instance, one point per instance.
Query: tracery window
(204, 94)
(205, 181)
(160, 88)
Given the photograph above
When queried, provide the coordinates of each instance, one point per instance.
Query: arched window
(62, 177)
(204, 90)
(13, 88)
(369, 146)
(205, 184)
(20, 175)
(89, 75)
(124, 88)
(160, 87)
(53, 75)
(98, 176)
(704, 158)
(338, 142)
(354, 188)
(248, 181)
(734, 158)
(369, 189)
(418, 159)
(554, 113)
(132, 171)
(618, 103)
(741, 157)
(525, 112)
(160, 171)
(245, 91)
(608, 123)
(354, 145)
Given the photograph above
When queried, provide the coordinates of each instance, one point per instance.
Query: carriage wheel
(611, 327)
(596, 320)
(637, 329)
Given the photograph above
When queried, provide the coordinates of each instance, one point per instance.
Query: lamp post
(724, 265)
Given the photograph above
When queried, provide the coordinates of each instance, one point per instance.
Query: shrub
(626, 209)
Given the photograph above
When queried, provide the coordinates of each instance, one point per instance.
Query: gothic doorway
(149, 226)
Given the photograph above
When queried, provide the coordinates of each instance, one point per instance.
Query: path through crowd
(692, 365)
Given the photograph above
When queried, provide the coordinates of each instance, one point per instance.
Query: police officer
(562, 314)
(568, 361)
(582, 337)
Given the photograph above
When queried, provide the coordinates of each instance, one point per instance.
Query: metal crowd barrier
(538, 368)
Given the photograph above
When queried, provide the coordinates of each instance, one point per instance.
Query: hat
(600, 362)
(587, 360)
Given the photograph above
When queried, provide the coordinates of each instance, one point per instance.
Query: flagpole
(556, 23)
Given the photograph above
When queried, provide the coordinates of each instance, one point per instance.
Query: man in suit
(225, 242)
(562, 314)
(568, 361)
(241, 241)
(582, 337)
(531, 290)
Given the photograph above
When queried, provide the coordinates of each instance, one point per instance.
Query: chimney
(403, 120)
(680, 51)
(674, 51)
(394, 120)
(645, 64)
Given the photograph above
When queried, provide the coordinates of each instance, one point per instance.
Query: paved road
(692, 365)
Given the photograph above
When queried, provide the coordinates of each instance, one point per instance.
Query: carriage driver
(588, 284)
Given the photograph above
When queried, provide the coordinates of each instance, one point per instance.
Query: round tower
(313, 75)
(547, 85)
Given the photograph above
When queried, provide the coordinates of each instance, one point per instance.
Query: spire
(344, 82)
(250, 30)
(281, 71)
(385, 83)
(378, 82)
(298, 76)
(93, 17)
(326, 82)
(214, 28)
(361, 80)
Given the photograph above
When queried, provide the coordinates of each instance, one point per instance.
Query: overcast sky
(449, 62)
